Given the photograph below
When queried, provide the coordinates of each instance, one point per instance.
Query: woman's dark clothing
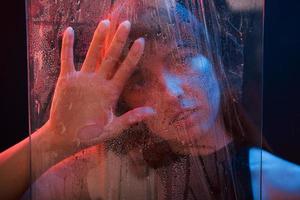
(223, 175)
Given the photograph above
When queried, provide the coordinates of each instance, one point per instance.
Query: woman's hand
(82, 111)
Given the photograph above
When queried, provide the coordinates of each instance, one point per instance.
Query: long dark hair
(156, 151)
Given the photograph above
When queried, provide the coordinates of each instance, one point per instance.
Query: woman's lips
(185, 116)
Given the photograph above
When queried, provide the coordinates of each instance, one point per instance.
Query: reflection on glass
(195, 146)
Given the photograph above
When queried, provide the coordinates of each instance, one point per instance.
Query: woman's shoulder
(277, 178)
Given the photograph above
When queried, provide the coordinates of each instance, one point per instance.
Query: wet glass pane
(166, 105)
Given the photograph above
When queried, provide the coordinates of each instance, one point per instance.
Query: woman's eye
(185, 59)
(181, 61)
(137, 81)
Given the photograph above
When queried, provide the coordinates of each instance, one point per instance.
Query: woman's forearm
(15, 170)
(23, 163)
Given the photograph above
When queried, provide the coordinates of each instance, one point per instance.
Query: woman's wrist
(47, 149)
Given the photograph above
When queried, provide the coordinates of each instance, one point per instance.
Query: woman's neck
(213, 140)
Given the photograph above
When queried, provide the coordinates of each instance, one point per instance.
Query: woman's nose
(173, 87)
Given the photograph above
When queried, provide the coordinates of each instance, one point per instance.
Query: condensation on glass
(201, 71)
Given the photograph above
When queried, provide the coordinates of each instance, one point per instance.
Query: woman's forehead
(167, 28)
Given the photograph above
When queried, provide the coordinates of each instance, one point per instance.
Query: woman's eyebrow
(141, 70)
(146, 71)
(182, 47)
(186, 44)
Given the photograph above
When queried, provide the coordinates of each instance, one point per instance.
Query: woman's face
(180, 84)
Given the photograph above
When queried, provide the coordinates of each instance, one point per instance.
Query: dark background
(281, 76)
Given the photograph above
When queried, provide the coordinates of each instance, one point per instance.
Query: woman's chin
(186, 140)
(192, 134)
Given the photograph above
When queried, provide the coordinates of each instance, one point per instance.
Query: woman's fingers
(67, 63)
(113, 54)
(94, 53)
(130, 63)
(119, 124)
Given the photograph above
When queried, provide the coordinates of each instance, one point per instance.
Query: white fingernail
(126, 24)
(105, 22)
(70, 30)
(138, 48)
(141, 40)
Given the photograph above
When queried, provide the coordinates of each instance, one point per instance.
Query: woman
(187, 145)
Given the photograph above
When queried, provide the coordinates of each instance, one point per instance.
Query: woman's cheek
(208, 82)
